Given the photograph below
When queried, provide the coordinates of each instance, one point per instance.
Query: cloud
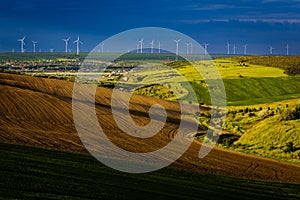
(281, 1)
(216, 7)
(201, 21)
(281, 21)
(253, 20)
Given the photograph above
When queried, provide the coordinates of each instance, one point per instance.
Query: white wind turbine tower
(141, 45)
(234, 49)
(152, 45)
(102, 47)
(245, 48)
(66, 44)
(77, 44)
(187, 48)
(228, 48)
(205, 47)
(177, 46)
(287, 49)
(159, 47)
(22, 43)
(271, 50)
(191, 45)
(34, 45)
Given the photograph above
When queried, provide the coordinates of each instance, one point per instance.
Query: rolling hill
(38, 112)
(35, 173)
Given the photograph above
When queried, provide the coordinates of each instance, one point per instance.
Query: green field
(233, 69)
(33, 173)
(264, 130)
(244, 85)
(247, 81)
(251, 91)
(290, 64)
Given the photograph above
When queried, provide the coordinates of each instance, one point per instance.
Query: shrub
(291, 114)
(227, 142)
(251, 114)
(290, 147)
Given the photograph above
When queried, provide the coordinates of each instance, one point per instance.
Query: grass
(250, 91)
(263, 131)
(233, 69)
(245, 84)
(33, 173)
(246, 80)
(269, 138)
(290, 64)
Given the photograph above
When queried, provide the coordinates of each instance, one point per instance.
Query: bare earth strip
(38, 112)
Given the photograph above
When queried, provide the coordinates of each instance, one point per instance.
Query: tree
(290, 147)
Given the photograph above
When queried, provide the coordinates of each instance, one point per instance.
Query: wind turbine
(141, 44)
(271, 50)
(77, 44)
(137, 47)
(66, 44)
(228, 48)
(191, 45)
(22, 43)
(177, 46)
(245, 48)
(34, 44)
(159, 47)
(234, 49)
(205, 47)
(51, 50)
(152, 45)
(287, 49)
(102, 47)
(187, 48)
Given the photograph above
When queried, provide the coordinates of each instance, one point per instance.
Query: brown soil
(38, 112)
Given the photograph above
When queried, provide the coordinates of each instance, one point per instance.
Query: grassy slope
(265, 136)
(290, 64)
(245, 85)
(270, 137)
(38, 112)
(250, 91)
(260, 84)
(230, 68)
(33, 173)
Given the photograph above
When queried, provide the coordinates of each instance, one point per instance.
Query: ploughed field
(38, 112)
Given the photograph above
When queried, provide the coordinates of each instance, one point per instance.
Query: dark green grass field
(34, 173)
(251, 91)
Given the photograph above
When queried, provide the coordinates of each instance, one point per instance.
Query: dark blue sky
(259, 23)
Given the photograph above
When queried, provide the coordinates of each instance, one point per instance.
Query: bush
(291, 114)
(290, 147)
(251, 115)
(227, 142)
